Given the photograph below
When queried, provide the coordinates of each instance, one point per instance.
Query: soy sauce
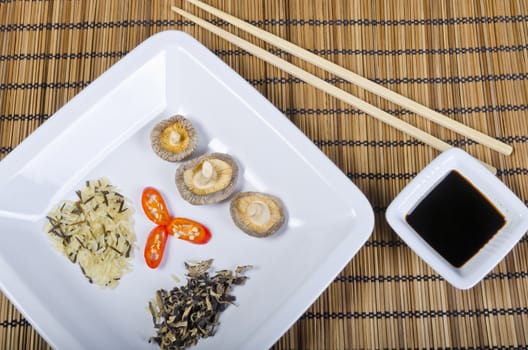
(456, 219)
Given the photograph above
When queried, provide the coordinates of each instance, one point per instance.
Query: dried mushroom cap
(208, 179)
(174, 139)
(257, 214)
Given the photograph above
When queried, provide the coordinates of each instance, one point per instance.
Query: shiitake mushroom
(257, 214)
(208, 179)
(174, 139)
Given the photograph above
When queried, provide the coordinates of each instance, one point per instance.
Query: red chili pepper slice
(155, 246)
(189, 230)
(154, 206)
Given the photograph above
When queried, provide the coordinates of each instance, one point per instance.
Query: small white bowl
(514, 210)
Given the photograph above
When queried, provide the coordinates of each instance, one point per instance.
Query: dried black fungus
(185, 314)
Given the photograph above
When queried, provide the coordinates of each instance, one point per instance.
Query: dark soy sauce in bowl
(456, 219)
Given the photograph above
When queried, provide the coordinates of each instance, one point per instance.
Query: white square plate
(104, 132)
(497, 193)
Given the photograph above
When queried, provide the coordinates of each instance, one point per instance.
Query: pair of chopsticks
(344, 74)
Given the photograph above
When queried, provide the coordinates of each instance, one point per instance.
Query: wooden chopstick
(323, 85)
(359, 80)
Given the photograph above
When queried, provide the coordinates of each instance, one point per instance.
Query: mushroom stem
(206, 176)
(175, 137)
(258, 212)
(207, 170)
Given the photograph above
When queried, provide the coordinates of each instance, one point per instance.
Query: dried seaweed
(188, 313)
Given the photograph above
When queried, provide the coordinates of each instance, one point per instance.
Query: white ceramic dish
(514, 210)
(104, 131)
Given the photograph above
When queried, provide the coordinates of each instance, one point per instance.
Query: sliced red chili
(154, 206)
(155, 246)
(189, 230)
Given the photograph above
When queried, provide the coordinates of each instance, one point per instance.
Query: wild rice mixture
(96, 232)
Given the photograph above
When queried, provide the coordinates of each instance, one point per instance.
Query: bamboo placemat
(466, 59)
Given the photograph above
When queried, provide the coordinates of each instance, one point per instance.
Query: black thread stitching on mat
(14, 323)
(402, 143)
(388, 279)
(399, 52)
(273, 22)
(407, 176)
(486, 347)
(56, 56)
(237, 52)
(45, 85)
(405, 80)
(416, 314)
(510, 172)
(275, 80)
(9, 1)
(423, 278)
(98, 25)
(384, 244)
(396, 112)
(24, 117)
(381, 176)
(372, 143)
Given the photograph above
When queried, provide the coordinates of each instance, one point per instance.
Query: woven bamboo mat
(466, 59)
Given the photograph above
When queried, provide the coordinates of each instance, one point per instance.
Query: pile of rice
(96, 232)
